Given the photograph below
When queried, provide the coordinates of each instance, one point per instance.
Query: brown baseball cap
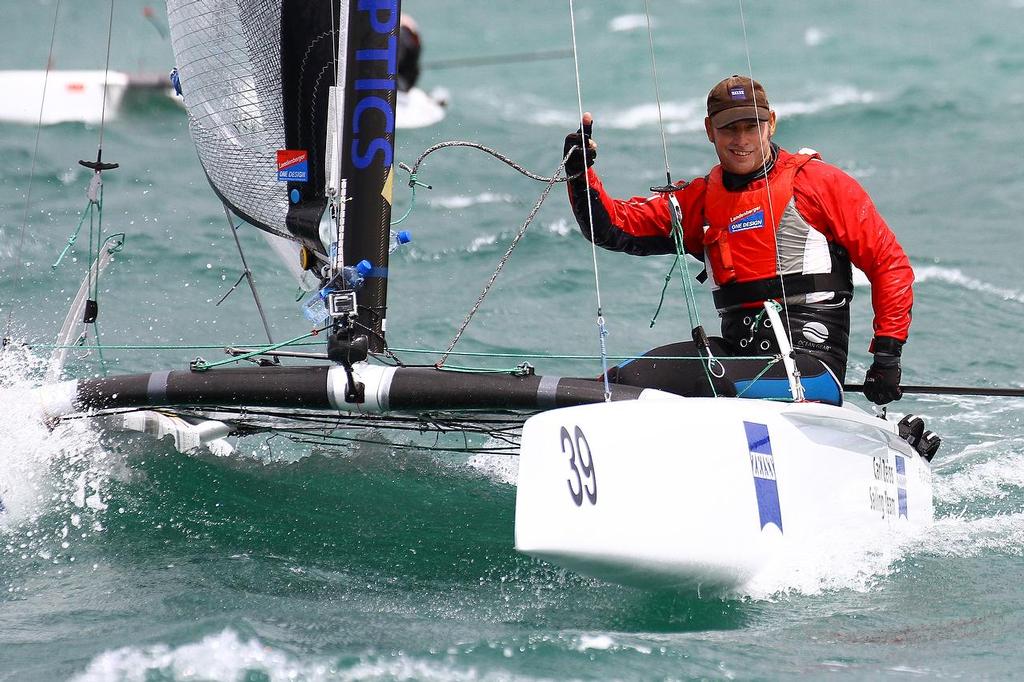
(737, 98)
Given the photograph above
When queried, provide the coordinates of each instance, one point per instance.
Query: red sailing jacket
(808, 207)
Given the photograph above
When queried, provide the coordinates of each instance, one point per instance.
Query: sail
(228, 56)
(257, 78)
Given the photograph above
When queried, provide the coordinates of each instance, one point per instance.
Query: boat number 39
(583, 479)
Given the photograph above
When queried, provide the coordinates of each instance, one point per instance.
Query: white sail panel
(228, 55)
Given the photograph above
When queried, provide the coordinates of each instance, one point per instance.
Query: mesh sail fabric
(228, 55)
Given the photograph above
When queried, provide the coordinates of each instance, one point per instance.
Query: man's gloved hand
(574, 165)
(882, 381)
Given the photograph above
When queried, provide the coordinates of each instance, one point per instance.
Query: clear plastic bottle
(355, 276)
(399, 238)
(315, 309)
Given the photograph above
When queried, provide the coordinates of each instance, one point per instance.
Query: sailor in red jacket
(768, 224)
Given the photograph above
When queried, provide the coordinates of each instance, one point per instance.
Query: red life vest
(743, 231)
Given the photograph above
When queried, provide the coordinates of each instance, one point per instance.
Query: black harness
(734, 295)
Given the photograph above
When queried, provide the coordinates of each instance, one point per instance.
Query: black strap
(732, 295)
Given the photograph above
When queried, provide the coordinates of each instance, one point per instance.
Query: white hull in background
(418, 109)
(707, 493)
(77, 96)
(70, 96)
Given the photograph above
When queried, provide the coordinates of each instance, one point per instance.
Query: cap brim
(724, 118)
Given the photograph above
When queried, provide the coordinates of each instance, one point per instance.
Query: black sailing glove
(574, 165)
(882, 381)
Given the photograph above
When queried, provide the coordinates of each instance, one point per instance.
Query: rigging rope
(414, 169)
(32, 170)
(657, 94)
(771, 208)
(676, 217)
(602, 329)
(106, 73)
(501, 264)
(247, 274)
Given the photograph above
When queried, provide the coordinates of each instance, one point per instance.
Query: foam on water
(43, 469)
(814, 36)
(459, 201)
(841, 564)
(1000, 477)
(225, 656)
(500, 468)
(629, 22)
(961, 537)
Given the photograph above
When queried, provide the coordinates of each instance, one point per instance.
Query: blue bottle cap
(295, 196)
(403, 237)
(364, 267)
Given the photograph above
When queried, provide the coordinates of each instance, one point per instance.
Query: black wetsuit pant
(819, 334)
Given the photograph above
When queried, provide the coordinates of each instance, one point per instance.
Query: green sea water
(122, 559)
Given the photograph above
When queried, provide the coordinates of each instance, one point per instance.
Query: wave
(956, 277)
(953, 276)
(963, 538)
(629, 22)
(226, 656)
(461, 201)
(988, 471)
(814, 36)
(687, 116)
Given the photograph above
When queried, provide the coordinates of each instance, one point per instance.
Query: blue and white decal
(762, 466)
(737, 92)
(901, 485)
(748, 220)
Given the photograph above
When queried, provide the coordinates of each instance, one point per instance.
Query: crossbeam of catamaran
(368, 388)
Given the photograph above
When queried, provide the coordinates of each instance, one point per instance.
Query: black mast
(367, 145)
(367, 74)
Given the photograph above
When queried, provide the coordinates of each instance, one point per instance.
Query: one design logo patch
(762, 466)
(815, 332)
(748, 220)
(901, 485)
(292, 165)
(738, 92)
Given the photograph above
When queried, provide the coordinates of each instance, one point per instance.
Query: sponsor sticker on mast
(292, 165)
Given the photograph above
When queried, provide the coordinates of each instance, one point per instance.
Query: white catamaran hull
(688, 493)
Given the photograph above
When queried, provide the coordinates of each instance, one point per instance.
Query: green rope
(423, 351)
(94, 256)
(74, 236)
(201, 365)
(99, 349)
(128, 346)
(760, 374)
(413, 182)
(477, 370)
(688, 291)
(664, 288)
